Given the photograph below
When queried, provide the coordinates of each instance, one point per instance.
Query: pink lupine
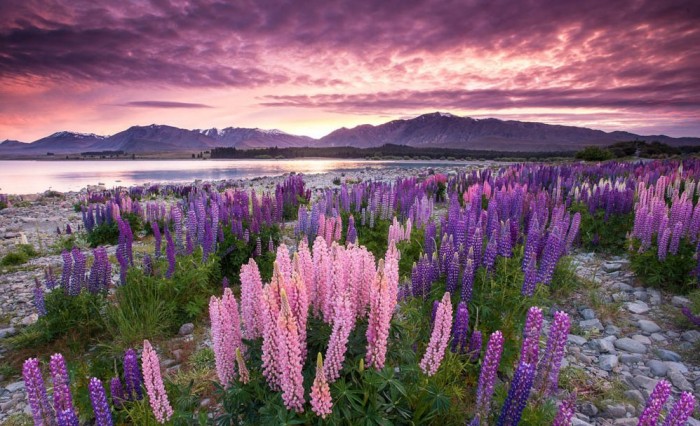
(154, 384)
(222, 336)
(321, 401)
(284, 262)
(300, 308)
(289, 357)
(343, 323)
(251, 300)
(382, 308)
(322, 273)
(270, 313)
(439, 337)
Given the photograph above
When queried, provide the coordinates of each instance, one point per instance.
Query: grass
(592, 389)
(20, 255)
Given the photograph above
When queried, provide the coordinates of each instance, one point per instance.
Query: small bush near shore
(20, 255)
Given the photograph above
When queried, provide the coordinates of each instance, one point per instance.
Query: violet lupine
(452, 274)
(155, 388)
(67, 270)
(39, 302)
(487, 377)
(289, 356)
(351, 234)
(321, 402)
(42, 411)
(117, 391)
(67, 418)
(531, 336)
(655, 404)
(549, 365)
(382, 307)
(566, 411)
(459, 330)
(491, 251)
(132, 376)
(243, 373)
(681, 411)
(169, 253)
(518, 394)
(62, 398)
(98, 398)
(436, 304)
(439, 338)
(343, 323)
(468, 278)
(695, 319)
(663, 243)
(474, 350)
(530, 279)
(157, 236)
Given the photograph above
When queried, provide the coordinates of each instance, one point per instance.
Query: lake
(27, 177)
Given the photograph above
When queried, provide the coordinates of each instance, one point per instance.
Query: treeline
(388, 151)
(639, 149)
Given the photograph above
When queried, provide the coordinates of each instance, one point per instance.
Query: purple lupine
(158, 238)
(505, 248)
(49, 280)
(78, 274)
(69, 230)
(207, 242)
(518, 395)
(351, 234)
(191, 234)
(62, 398)
(549, 365)
(550, 256)
(487, 377)
(491, 251)
(117, 391)
(39, 302)
(474, 350)
(655, 404)
(225, 284)
(675, 238)
(270, 246)
(695, 319)
(436, 303)
(42, 412)
(98, 398)
(530, 279)
(468, 278)
(169, 253)
(681, 410)
(67, 270)
(453, 274)
(459, 330)
(147, 264)
(132, 376)
(566, 411)
(67, 418)
(663, 243)
(531, 336)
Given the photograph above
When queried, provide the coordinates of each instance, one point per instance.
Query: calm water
(26, 177)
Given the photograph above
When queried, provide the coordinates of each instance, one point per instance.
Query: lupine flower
(518, 394)
(42, 411)
(487, 377)
(321, 402)
(343, 323)
(681, 411)
(157, 237)
(468, 278)
(566, 411)
(548, 367)
(655, 404)
(154, 384)
(251, 299)
(132, 376)
(62, 398)
(695, 319)
(452, 274)
(531, 336)
(258, 247)
(170, 253)
(439, 337)
(67, 418)
(243, 373)
(459, 330)
(67, 269)
(98, 398)
(39, 302)
(530, 280)
(474, 346)
(224, 337)
(117, 391)
(382, 305)
(289, 355)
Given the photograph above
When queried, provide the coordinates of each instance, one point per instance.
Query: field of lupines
(424, 300)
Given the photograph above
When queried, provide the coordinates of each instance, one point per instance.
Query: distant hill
(435, 130)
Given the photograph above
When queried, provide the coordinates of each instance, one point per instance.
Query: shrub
(234, 252)
(594, 153)
(20, 255)
(674, 274)
(598, 234)
(104, 234)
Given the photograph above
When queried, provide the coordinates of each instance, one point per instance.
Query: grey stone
(613, 330)
(606, 345)
(648, 326)
(638, 307)
(680, 301)
(636, 396)
(627, 421)
(692, 336)
(611, 267)
(608, 362)
(575, 421)
(672, 334)
(678, 366)
(680, 381)
(658, 368)
(588, 314)
(10, 331)
(643, 382)
(622, 287)
(577, 340)
(591, 324)
(630, 358)
(658, 337)
(589, 409)
(667, 355)
(14, 387)
(642, 339)
(630, 345)
(186, 329)
(614, 411)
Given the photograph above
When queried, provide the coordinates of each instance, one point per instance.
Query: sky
(309, 67)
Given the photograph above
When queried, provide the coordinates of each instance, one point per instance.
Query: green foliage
(20, 255)
(234, 252)
(646, 150)
(75, 318)
(64, 242)
(104, 234)
(594, 153)
(674, 274)
(598, 234)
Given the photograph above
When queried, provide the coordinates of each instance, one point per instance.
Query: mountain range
(437, 130)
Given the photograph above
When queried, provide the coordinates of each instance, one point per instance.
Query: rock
(658, 337)
(611, 267)
(692, 336)
(649, 326)
(14, 387)
(608, 362)
(642, 339)
(680, 381)
(577, 340)
(613, 330)
(680, 301)
(589, 409)
(7, 332)
(614, 411)
(630, 345)
(606, 345)
(627, 421)
(658, 368)
(638, 307)
(636, 396)
(588, 314)
(591, 324)
(6, 406)
(575, 421)
(186, 329)
(678, 366)
(667, 355)
(622, 287)
(30, 319)
(644, 383)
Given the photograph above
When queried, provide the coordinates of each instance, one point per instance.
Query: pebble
(657, 368)
(638, 307)
(679, 381)
(692, 336)
(592, 324)
(648, 326)
(186, 329)
(667, 355)
(607, 344)
(680, 301)
(588, 314)
(611, 267)
(642, 339)
(630, 345)
(577, 340)
(608, 362)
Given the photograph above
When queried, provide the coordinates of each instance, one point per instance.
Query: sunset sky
(308, 67)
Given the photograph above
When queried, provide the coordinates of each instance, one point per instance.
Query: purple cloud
(164, 104)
